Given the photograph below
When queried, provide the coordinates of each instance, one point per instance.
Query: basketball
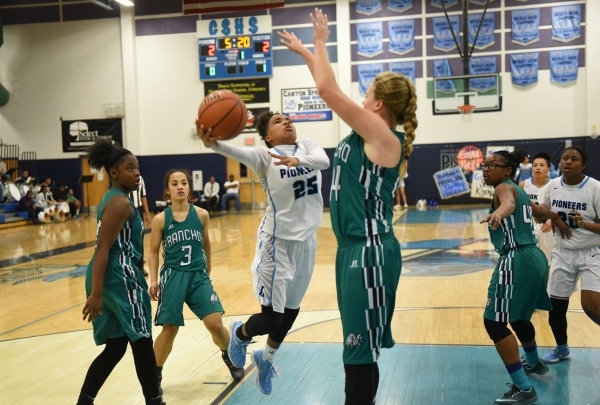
(224, 112)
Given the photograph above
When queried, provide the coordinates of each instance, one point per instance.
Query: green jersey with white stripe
(182, 242)
(362, 193)
(516, 230)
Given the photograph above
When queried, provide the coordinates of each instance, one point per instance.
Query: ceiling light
(125, 2)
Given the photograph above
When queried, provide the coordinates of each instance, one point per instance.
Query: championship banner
(399, 6)
(78, 135)
(368, 7)
(408, 69)
(525, 26)
(369, 39)
(443, 40)
(366, 74)
(441, 68)
(485, 38)
(402, 36)
(524, 68)
(447, 3)
(304, 104)
(564, 65)
(483, 65)
(451, 182)
(478, 187)
(566, 23)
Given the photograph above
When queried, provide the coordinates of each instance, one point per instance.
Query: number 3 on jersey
(302, 188)
(187, 256)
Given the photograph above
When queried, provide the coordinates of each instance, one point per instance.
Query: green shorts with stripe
(126, 310)
(367, 279)
(518, 286)
(191, 287)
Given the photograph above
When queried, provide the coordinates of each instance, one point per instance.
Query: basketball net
(466, 112)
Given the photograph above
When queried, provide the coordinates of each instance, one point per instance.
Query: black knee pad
(496, 330)
(524, 330)
(361, 383)
(289, 316)
(264, 323)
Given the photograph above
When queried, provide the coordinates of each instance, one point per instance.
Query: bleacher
(9, 216)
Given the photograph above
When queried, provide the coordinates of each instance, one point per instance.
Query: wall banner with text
(78, 135)
(566, 23)
(564, 65)
(524, 68)
(250, 91)
(451, 182)
(525, 26)
(366, 74)
(304, 104)
(369, 39)
(402, 36)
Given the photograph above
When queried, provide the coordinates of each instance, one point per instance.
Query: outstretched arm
(506, 196)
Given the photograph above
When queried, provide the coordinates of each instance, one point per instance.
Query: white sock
(77, 211)
(269, 353)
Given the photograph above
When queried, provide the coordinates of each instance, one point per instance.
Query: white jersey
(583, 197)
(295, 204)
(532, 190)
(546, 239)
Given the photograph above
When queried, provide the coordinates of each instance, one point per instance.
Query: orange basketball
(224, 112)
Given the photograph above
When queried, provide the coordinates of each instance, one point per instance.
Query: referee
(139, 200)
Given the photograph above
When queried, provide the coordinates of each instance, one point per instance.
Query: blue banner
(366, 74)
(479, 66)
(368, 7)
(447, 3)
(524, 68)
(399, 6)
(443, 40)
(525, 26)
(369, 39)
(564, 65)
(486, 32)
(441, 68)
(408, 69)
(451, 182)
(402, 36)
(566, 23)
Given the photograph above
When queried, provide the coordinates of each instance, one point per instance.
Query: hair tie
(110, 162)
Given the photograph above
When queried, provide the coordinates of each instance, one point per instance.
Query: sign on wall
(525, 26)
(304, 104)
(253, 114)
(78, 135)
(250, 91)
(524, 68)
(478, 187)
(451, 182)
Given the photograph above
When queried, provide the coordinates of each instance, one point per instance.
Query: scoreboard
(235, 48)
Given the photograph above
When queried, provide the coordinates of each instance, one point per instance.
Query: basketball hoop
(466, 112)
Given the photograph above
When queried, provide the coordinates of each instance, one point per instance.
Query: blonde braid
(410, 122)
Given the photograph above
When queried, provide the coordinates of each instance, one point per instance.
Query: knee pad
(264, 323)
(496, 330)
(524, 330)
(289, 316)
(361, 385)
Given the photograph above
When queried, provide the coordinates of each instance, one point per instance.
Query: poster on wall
(491, 149)
(250, 91)
(408, 69)
(564, 66)
(399, 6)
(469, 158)
(524, 68)
(451, 182)
(478, 187)
(78, 135)
(525, 26)
(369, 39)
(368, 7)
(483, 65)
(485, 38)
(304, 104)
(253, 114)
(441, 68)
(444, 34)
(401, 36)
(366, 74)
(566, 23)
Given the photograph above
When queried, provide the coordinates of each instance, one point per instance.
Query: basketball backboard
(481, 90)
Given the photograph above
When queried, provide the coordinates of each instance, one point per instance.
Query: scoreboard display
(247, 54)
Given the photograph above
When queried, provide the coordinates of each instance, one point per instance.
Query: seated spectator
(210, 198)
(51, 185)
(3, 176)
(73, 200)
(26, 204)
(61, 195)
(232, 192)
(44, 198)
(24, 178)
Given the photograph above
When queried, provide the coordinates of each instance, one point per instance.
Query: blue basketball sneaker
(237, 347)
(557, 354)
(265, 372)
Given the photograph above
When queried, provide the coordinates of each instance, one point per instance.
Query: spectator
(138, 198)
(211, 194)
(44, 198)
(73, 200)
(61, 195)
(3, 176)
(27, 204)
(232, 192)
(24, 178)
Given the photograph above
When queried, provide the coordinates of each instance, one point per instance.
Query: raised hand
(319, 22)
(289, 40)
(205, 136)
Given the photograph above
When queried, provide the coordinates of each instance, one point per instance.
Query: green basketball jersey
(182, 242)
(129, 241)
(362, 193)
(516, 230)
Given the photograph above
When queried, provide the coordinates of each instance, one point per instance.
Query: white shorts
(568, 265)
(282, 270)
(546, 240)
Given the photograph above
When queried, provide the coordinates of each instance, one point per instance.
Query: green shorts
(367, 279)
(126, 310)
(192, 287)
(518, 286)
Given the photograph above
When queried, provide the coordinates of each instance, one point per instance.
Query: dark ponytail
(104, 153)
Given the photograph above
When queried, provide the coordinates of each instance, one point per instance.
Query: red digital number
(211, 50)
(266, 46)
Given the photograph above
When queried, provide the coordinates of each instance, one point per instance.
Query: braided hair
(512, 159)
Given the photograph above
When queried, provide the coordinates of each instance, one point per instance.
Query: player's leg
(403, 194)
(145, 368)
(525, 332)
(590, 284)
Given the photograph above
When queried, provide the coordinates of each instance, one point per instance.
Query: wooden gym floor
(442, 356)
